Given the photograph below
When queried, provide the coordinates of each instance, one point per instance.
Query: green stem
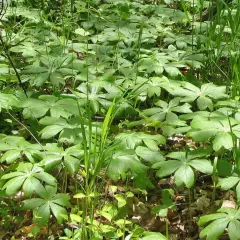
(214, 178)
(190, 209)
(167, 228)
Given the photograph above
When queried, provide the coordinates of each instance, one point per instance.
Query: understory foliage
(120, 119)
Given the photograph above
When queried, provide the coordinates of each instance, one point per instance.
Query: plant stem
(167, 228)
(190, 209)
(26, 129)
(7, 55)
(214, 178)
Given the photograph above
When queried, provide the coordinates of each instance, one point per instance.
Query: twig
(27, 130)
(7, 55)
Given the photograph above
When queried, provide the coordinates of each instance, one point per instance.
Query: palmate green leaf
(33, 203)
(33, 108)
(203, 95)
(55, 155)
(181, 44)
(174, 15)
(166, 111)
(149, 87)
(7, 101)
(53, 70)
(222, 130)
(46, 177)
(154, 236)
(28, 177)
(59, 212)
(50, 162)
(183, 166)
(53, 121)
(13, 185)
(17, 148)
(172, 71)
(36, 108)
(12, 175)
(69, 130)
(215, 229)
(222, 139)
(51, 131)
(234, 230)
(59, 125)
(32, 69)
(160, 210)
(200, 122)
(205, 219)
(28, 49)
(227, 183)
(149, 155)
(225, 168)
(41, 214)
(11, 156)
(230, 182)
(22, 11)
(122, 162)
(40, 79)
(166, 168)
(204, 103)
(99, 94)
(216, 115)
(56, 78)
(50, 202)
(202, 165)
(72, 164)
(178, 155)
(125, 109)
(238, 190)
(30, 184)
(202, 135)
(131, 140)
(61, 199)
(200, 152)
(184, 175)
(226, 217)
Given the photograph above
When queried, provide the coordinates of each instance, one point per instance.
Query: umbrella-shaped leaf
(221, 130)
(36, 108)
(149, 155)
(183, 164)
(17, 148)
(166, 111)
(7, 101)
(122, 162)
(215, 229)
(49, 202)
(166, 168)
(185, 175)
(234, 230)
(131, 140)
(27, 175)
(225, 218)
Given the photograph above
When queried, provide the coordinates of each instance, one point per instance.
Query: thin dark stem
(3, 8)
(26, 129)
(7, 55)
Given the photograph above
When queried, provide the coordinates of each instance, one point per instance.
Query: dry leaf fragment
(228, 204)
